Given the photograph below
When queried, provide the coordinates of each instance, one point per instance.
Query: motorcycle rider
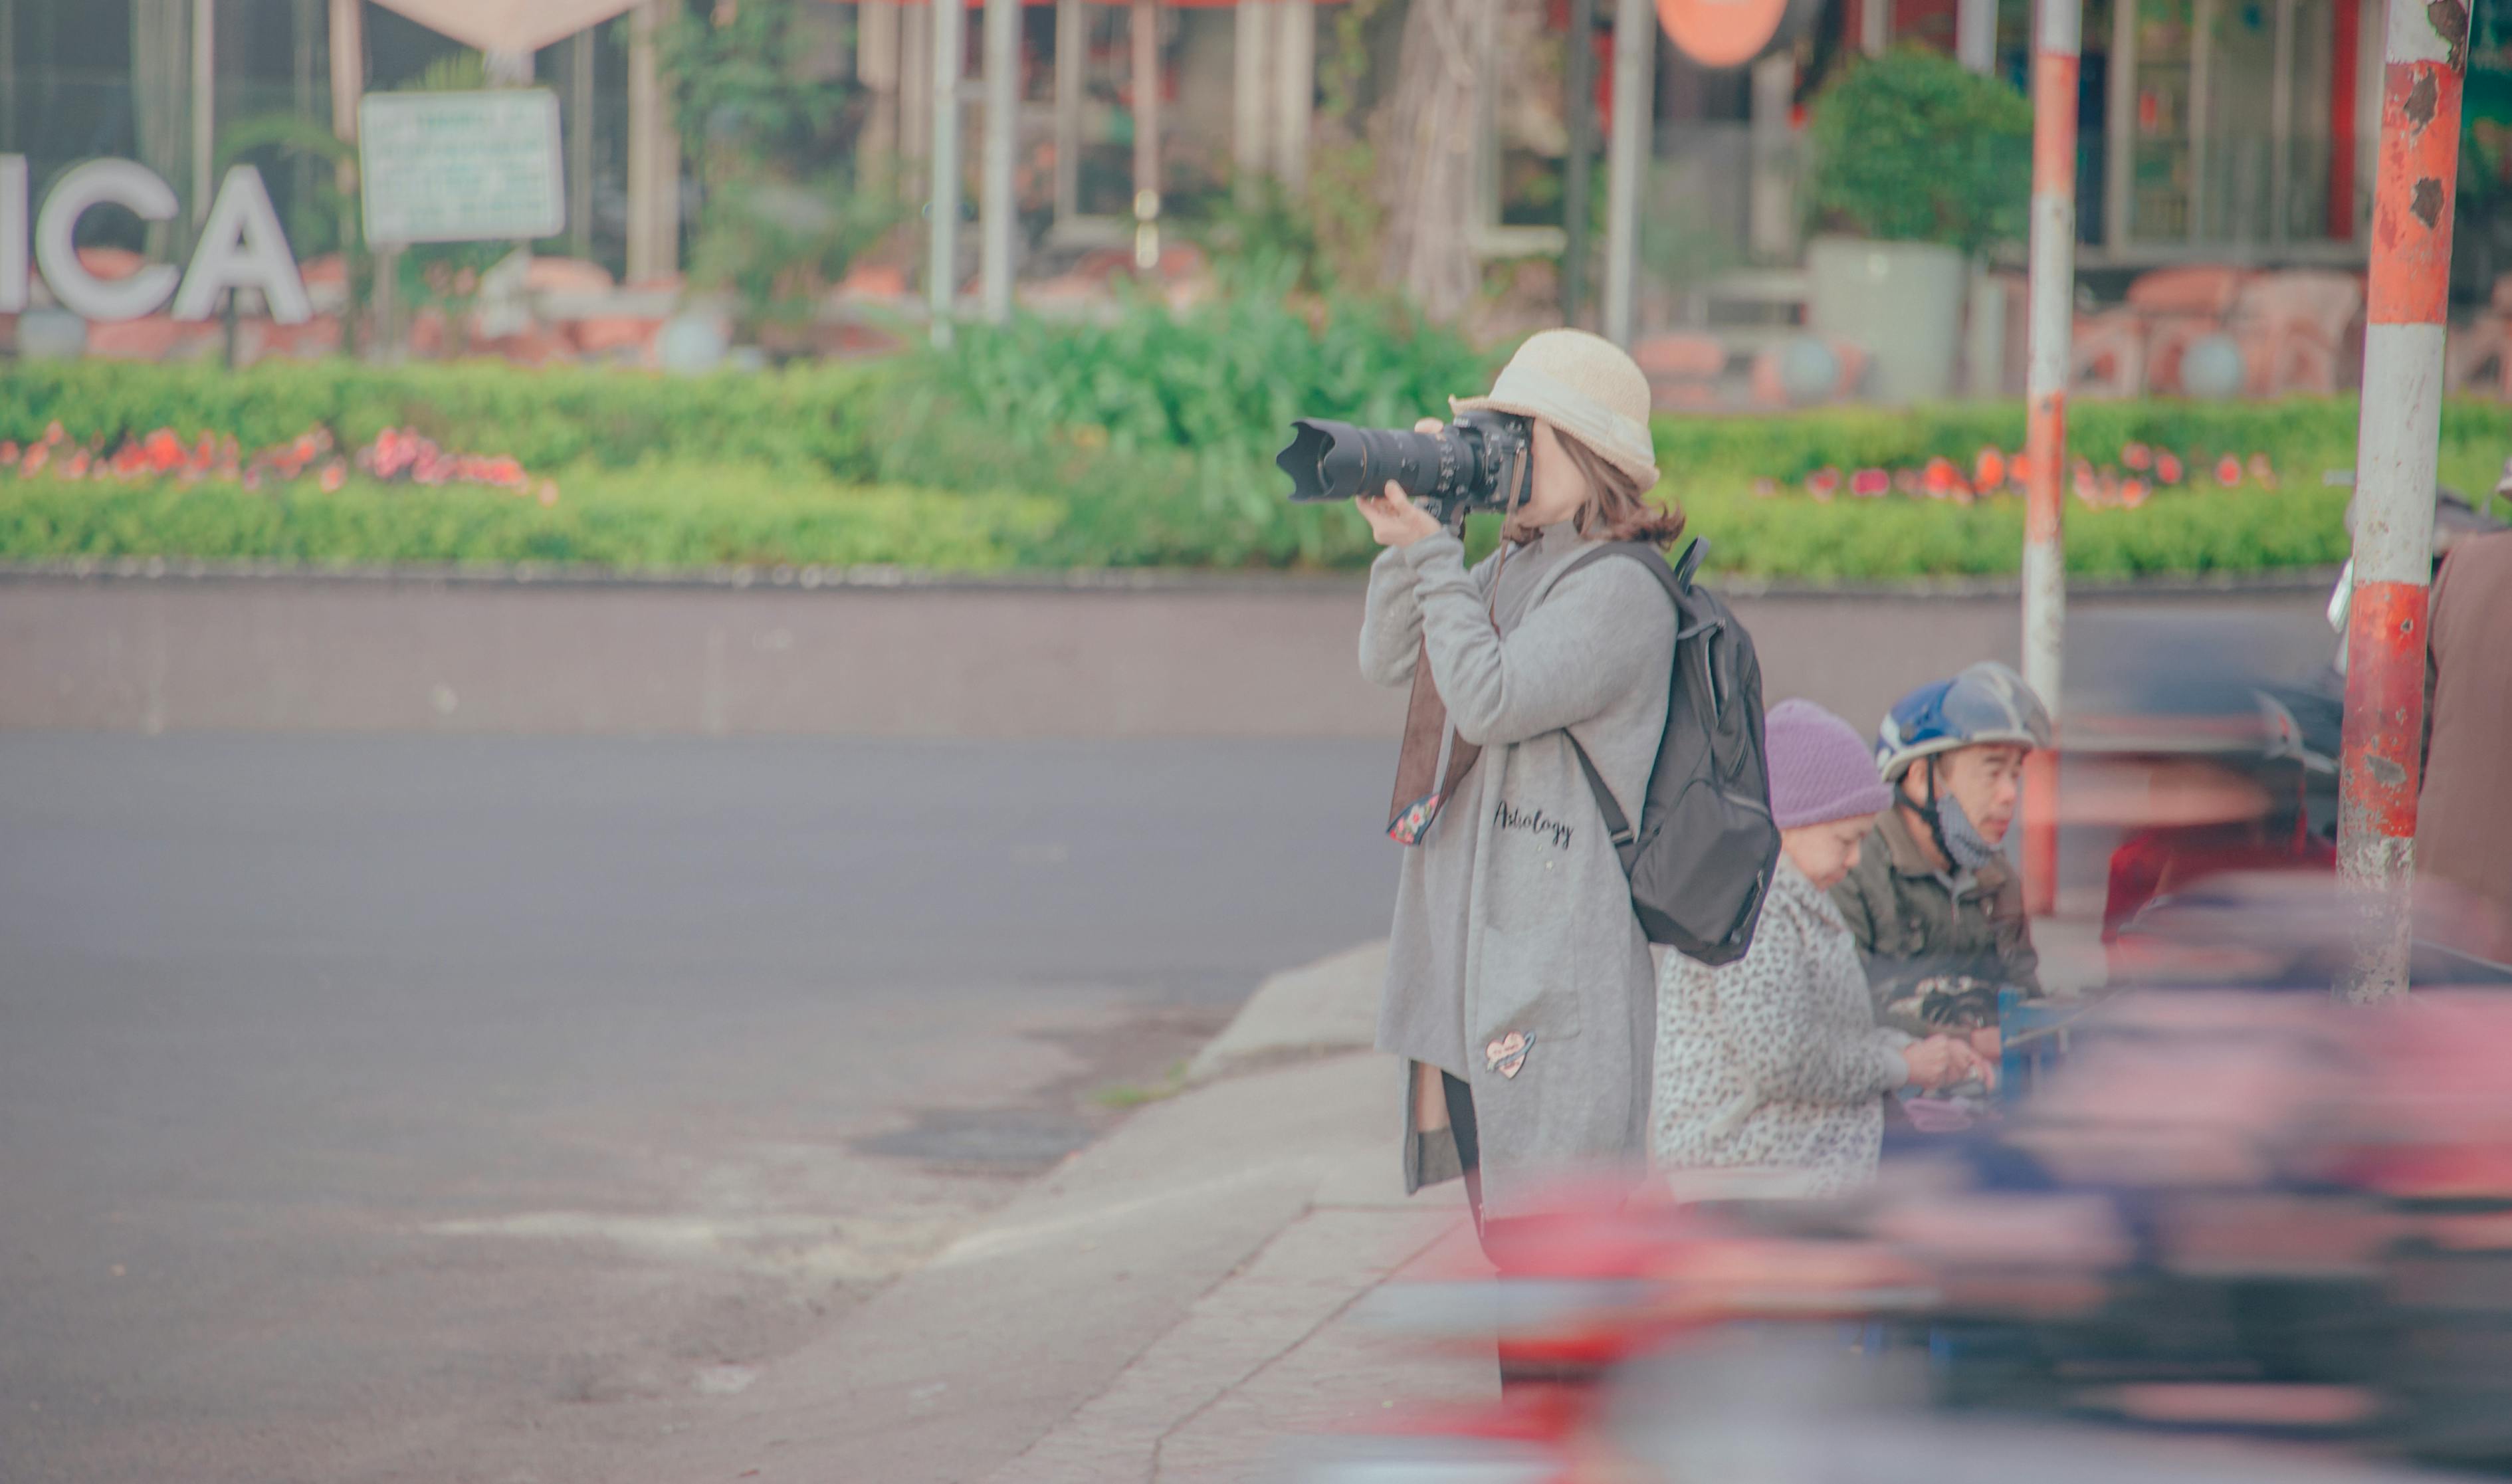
(1936, 909)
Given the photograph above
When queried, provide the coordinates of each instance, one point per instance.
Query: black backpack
(1701, 858)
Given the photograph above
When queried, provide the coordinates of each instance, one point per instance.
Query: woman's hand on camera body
(1393, 518)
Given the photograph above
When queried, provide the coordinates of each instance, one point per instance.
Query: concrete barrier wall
(1216, 659)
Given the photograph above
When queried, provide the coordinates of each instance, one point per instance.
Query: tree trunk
(1426, 156)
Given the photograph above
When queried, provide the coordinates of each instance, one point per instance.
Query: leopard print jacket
(1775, 1063)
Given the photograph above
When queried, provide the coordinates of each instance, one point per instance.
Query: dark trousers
(1514, 1375)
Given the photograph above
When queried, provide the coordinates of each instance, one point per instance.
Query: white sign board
(460, 167)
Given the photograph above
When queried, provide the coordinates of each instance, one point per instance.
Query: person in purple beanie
(1774, 1066)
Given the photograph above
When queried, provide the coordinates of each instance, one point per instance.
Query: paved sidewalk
(1273, 1351)
(1174, 1303)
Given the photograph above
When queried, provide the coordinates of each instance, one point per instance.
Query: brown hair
(1617, 510)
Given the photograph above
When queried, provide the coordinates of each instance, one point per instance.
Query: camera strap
(1433, 759)
(1432, 762)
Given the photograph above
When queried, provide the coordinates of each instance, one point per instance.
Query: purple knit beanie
(1821, 768)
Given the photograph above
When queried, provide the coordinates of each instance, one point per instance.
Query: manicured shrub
(1142, 443)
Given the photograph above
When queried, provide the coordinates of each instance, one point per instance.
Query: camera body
(1477, 462)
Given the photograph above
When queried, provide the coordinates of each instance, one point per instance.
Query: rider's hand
(1930, 1062)
(1393, 518)
(1941, 1061)
(1985, 1045)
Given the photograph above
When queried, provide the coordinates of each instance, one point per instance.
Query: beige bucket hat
(1585, 386)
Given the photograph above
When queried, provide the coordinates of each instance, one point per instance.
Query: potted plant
(1918, 166)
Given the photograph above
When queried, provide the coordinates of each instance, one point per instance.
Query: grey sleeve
(1796, 1056)
(1592, 639)
(1391, 622)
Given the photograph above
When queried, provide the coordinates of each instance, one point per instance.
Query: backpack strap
(1677, 582)
(1618, 825)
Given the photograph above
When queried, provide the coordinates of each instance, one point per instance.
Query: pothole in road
(1012, 1139)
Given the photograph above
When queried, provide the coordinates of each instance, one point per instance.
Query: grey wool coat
(1514, 927)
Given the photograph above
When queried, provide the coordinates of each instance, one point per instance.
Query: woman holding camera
(1521, 988)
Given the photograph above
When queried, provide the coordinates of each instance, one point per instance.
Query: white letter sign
(124, 183)
(241, 247)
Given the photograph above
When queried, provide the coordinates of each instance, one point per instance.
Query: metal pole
(654, 176)
(1635, 89)
(1295, 70)
(2202, 92)
(1578, 110)
(9, 75)
(1874, 26)
(1770, 204)
(580, 125)
(1071, 49)
(2280, 127)
(2395, 451)
(877, 68)
(915, 89)
(1976, 34)
(1483, 42)
(348, 48)
(204, 108)
(300, 171)
(1003, 133)
(2119, 148)
(942, 226)
(1145, 25)
(2056, 53)
(1251, 68)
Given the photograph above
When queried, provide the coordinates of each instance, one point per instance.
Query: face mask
(1962, 839)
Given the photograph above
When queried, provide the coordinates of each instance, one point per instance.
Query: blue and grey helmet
(1987, 703)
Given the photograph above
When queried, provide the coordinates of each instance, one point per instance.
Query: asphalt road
(471, 1109)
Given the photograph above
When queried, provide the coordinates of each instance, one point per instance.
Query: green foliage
(1144, 443)
(1224, 378)
(325, 219)
(2196, 530)
(737, 94)
(1326, 236)
(818, 419)
(1912, 147)
(777, 225)
(655, 516)
(1161, 429)
(777, 247)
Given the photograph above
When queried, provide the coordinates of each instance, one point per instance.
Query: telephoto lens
(1473, 463)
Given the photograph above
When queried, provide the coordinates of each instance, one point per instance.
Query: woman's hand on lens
(1393, 518)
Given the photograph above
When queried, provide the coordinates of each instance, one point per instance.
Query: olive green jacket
(1909, 922)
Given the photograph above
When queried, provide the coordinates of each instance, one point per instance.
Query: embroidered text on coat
(1534, 822)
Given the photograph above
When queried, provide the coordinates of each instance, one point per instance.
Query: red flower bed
(1994, 471)
(397, 455)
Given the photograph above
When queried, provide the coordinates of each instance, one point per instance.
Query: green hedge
(839, 465)
(653, 518)
(670, 516)
(822, 417)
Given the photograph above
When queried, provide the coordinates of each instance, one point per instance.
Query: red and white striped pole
(2399, 428)
(2054, 62)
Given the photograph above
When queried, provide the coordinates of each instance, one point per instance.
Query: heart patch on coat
(1508, 1055)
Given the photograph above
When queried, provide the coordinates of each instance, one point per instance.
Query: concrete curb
(1069, 581)
(1322, 1009)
